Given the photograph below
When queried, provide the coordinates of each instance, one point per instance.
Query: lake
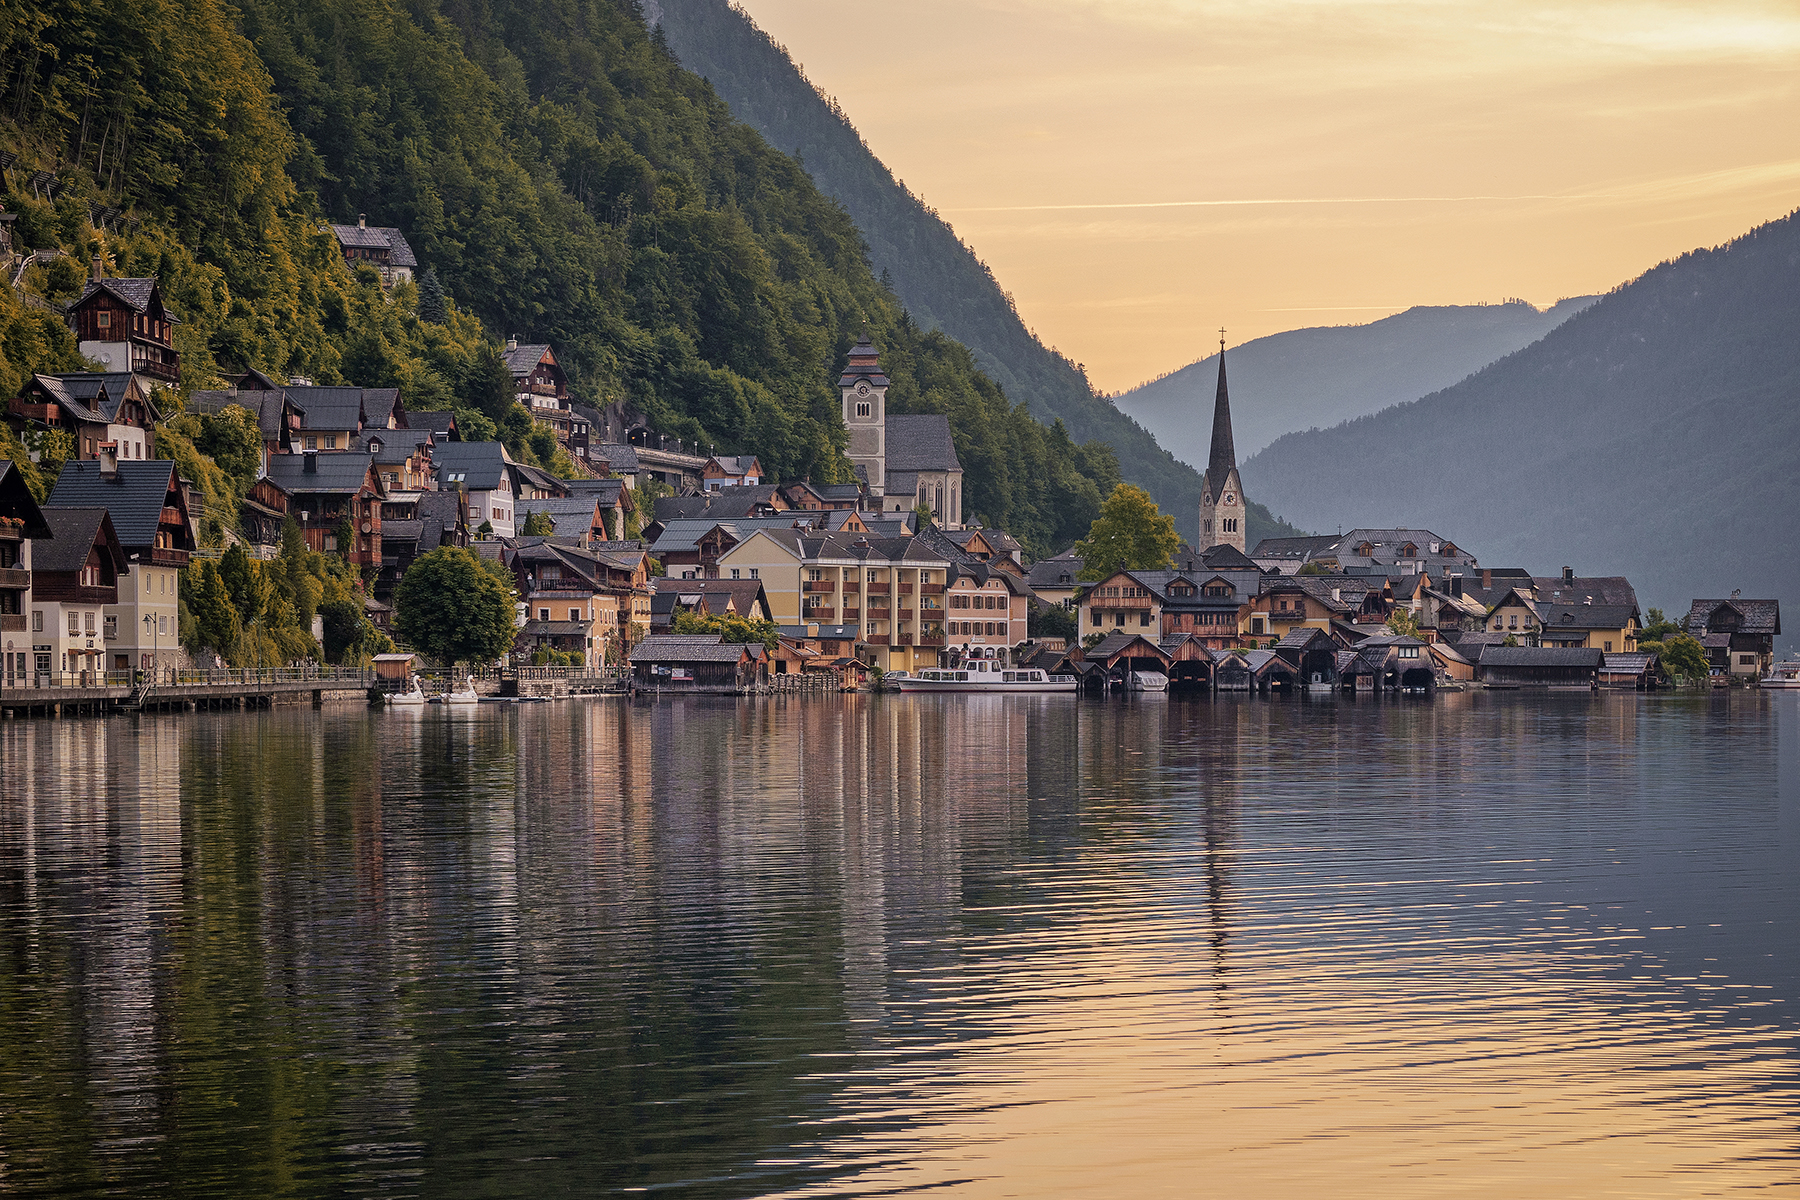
(1486, 944)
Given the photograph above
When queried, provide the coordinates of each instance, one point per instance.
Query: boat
(411, 699)
(1783, 676)
(467, 695)
(986, 675)
(1147, 681)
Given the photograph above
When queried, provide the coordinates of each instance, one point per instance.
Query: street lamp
(156, 643)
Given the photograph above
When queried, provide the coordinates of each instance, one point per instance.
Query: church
(908, 460)
(1222, 501)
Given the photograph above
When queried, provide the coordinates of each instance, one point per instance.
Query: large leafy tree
(1681, 655)
(1132, 534)
(451, 607)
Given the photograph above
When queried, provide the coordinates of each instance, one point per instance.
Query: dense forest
(940, 279)
(1651, 435)
(557, 171)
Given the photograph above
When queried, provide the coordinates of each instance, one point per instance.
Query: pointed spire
(1223, 459)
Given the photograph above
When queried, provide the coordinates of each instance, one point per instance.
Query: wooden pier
(185, 691)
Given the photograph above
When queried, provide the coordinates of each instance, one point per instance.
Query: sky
(1139, 173)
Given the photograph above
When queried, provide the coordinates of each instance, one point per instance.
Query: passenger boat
(986, 675)
(1783, 676)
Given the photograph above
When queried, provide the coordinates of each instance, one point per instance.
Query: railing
(878, 614)
(931, 589)
(905, 639)
(157, 370)
(539, 674)
(818, 585)
(877, 639)
(15, 577)
(820, 614)
(12, 622)
(852, 614)
(851, 585)
(880, 588)
(906, 589)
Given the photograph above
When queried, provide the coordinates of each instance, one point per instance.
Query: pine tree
(434, 303)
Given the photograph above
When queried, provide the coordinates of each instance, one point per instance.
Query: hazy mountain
(940, 280)
(1308, 378)
(1653, 435)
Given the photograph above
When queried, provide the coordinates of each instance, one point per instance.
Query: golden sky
(1140, 172)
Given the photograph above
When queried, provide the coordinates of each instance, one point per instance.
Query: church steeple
(1223, 460)
(1222, 498)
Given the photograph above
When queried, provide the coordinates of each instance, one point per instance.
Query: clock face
(862, 389)
(1230, 499)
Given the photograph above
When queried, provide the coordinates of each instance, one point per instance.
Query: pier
(181, 691)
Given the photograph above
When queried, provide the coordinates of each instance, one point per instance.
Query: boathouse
(697, 663)
(1540, 667)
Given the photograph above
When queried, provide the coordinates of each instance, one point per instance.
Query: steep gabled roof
(1754, 616)
(1058, 572)
(135, 494)
(135, 294)
(481, 465)
(622, 459)
(920, 442)
(339, 474)
(73, 534)
(102, 391)
(522, 360)
(1601, 589)
(16, 501)
(266, 406)
(441, 424)
(330, 408)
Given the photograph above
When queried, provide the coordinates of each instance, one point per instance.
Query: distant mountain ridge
(1316, 377)
(940, 280)
(1652, 435)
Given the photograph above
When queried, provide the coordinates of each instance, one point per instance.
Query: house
(892, 589)
(1609, 628)
(1637, 672)
(123, 325)
(74, 578)
(441, 425)
(613, 460)
(1320, 601)
(336, 418)
(541, 387)
(730, 470)
(126, 405)
(909, 461)
(697, 663)
(807, 496)
(1118, 654)
(983, 606)
(150, 515)
(1401, 662)
(1408, 551)
(414, 526)
(1738, 634)
(691, 548)
(1191, 661)
(618, 506)
(479, 470)
(21, 523)
(333, 497)
(1540, 667)
(1452, 661)
(1287, 555)
(577, 517)
(1312, 653)
(604, 588)
(1054, 580)
(383, 248)
(277, 416)
(402, 458)
(103, 421)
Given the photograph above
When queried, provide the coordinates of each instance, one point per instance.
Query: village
(643, 564)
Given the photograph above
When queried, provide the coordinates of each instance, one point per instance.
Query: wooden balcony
(14, 577)
(850, 585)
(876, 639)
(931, 589)
(878, 614)
(818, 585)
(852, 615)
(931, 639)
(168, 372)
(906, 589)
(880, 588)
(12, 622)
(819, 614)
(904, 639)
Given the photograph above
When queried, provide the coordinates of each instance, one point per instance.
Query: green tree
(215, 619)
(1681, 654)
(538, 524)
(249, 591)
(342, 621)
(1401, 622)
(1131, 534)
(730, 627)
(1312, 568)
(232, 439)
(452, 608)
(434, 304)
(1657, 628)
(1049, 621)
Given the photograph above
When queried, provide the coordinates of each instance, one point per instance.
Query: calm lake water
(1487, 945)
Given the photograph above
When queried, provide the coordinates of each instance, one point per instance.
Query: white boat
(986, 675)
(407, 699)
(1147, 681)
(1783, 676)
(466, 696)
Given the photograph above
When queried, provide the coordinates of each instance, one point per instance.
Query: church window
(864, 408)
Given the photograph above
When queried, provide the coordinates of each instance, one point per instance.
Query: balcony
(932, 639)
(878, 614)
(850, 585)
(12, 622)
(852, 615)
(876, 639)
(878, 588)
(931, 589)
(905, 639)
(906, 589)
(168, 372)
(817, 585)
(14, 577)
(819, 614)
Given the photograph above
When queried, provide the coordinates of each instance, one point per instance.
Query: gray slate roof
(1050, 572)
(1546, 656)
(341, 473)
(73, 532)
(330, 408)
(374, 237)
(265, 406)
(1584, 616)
(134, 495)
(135, 293)
(436, 421)
(101, 391)
(678, 648)
(920, 442)
(482, 464)
(621, 458)
(522, 360)
(1756, 616)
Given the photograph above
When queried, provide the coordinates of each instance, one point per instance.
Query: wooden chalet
(331, 496)
(124, 326)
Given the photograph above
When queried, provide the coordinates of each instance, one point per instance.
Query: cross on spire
(1221, 339)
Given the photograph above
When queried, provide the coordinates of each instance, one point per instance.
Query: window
(1609, 647)
(1144, 618)
(103, 320)
(37, 620)
(753, 572)
(874, 576)
(1099, 618)
(112, 629)
(864, 409)
(162, 626)
(1513, 621)
(312, 443)
(814, 574)
(734, 572)
(543, 614)
(1119, 619)
(90, 624)
(1746, 660)
(74, 624)
(574, 614)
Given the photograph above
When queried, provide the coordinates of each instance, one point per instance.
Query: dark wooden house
(124, 326)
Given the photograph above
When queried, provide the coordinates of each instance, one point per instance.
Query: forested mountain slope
(1312, 378)
(1651, 435)
(939, 279)
(553, 164)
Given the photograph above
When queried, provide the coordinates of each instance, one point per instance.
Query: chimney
(109, 460)
(1568, 574)
(362, 220)
(310, 462)
(1456, 586)
(512, 343)
(1487, 578)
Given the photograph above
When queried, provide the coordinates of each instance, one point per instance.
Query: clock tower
(1222, 505)
(864, 389)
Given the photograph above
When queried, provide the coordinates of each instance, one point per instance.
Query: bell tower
(864, 389)
(1222, 504)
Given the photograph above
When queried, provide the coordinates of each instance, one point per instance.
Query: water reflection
(998, 945)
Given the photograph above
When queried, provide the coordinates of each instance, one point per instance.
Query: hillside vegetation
(554, 166)
(1651, 435)
(939, 279)
(1311, 378)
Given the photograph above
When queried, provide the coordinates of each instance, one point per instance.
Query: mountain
(1650, 435)
(939, 279)
(1309, 378)
(549, 161)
